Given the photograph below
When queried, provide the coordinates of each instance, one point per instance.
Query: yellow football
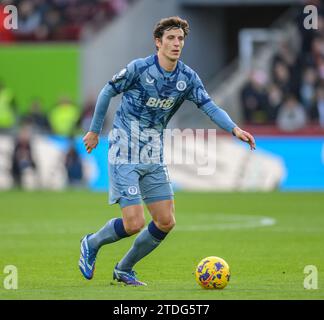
(213, 273)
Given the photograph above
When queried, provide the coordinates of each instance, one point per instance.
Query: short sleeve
(198, 93)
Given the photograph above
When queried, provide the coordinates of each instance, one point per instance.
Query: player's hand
(90, 141)
(245, 136)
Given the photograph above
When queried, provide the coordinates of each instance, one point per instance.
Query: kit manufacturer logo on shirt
(149, 81)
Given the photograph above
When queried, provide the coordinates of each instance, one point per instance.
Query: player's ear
(158, 43)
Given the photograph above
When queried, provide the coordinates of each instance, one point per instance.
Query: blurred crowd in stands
(60, 20)
(291, 96)
(23, 161)
(65, 119)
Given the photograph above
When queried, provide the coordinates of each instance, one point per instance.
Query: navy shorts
(130, 183)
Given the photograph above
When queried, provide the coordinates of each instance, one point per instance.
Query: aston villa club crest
(181, 85)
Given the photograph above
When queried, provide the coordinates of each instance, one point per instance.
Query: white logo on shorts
(132, 190)
(181, 85)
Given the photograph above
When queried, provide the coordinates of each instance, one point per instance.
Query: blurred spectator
(285, 55)
(36, 118)
(288, 57)
(317, 50)
(319, 110)
(64, 117)
(292, 115)
(73, 165)
(281, 77)
(51, 27)
(275, 99)
(320, 67)
(29, 17)
(7, 108)
(22, 158)
(254, 99)
(307, 88)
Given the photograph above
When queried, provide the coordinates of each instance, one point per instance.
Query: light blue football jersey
(151, 96)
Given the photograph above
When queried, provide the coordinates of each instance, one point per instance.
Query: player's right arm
(120, 82)
(91, 139)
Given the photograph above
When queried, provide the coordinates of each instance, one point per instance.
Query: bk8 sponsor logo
(160, 103)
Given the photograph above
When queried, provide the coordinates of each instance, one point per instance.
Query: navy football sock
(111, 232)
(147, 240)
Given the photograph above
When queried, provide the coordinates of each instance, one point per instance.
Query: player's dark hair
(168, 24)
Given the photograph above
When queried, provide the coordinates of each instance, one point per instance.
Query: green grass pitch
(40, 233)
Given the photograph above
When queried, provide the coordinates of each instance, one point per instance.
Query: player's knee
(171, 223)
(134, 227)
(166, 225)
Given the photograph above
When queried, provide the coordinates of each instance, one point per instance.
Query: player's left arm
(223, 120)
(200, 97)
(244, 136)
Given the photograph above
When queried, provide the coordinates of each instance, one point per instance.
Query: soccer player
(153, 89)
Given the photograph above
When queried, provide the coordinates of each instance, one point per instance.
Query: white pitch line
(228, 222)
(203, 222)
